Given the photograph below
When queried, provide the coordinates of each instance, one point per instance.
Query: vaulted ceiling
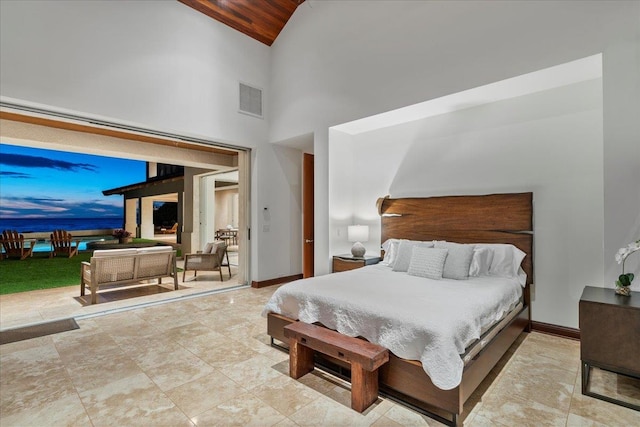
(260, 19)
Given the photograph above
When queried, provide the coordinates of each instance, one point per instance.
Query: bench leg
(94, 295)
(300, 359)
(364, 387)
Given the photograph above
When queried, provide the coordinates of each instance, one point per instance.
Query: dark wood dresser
(609, 336)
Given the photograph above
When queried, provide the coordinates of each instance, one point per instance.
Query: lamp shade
(358, 233)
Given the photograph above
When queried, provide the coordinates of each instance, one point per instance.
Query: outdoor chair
(214, 261)
(15, 245)
(172, 230)
(62, 243)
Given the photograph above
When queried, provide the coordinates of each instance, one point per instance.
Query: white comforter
(415, 318)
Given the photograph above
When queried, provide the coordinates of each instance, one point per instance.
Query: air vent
(250, 100)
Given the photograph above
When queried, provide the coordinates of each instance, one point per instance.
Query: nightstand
(349, 262)
(609, 340)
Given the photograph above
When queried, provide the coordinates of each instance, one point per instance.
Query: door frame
(308, 215)
(16, 112)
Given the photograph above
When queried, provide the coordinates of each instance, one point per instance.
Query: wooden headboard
(494, 218)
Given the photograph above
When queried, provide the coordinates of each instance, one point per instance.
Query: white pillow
(390, 248)
(481, 261)
(427, 262)
(403, 257)
(458, 260)
(207, 248)
(506, 261)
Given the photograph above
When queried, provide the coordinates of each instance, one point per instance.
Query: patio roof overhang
(151, 187)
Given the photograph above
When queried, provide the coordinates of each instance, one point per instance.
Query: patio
(26, 308)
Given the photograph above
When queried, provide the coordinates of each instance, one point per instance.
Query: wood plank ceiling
(260, 19)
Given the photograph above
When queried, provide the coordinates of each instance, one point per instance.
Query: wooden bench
(365, 358)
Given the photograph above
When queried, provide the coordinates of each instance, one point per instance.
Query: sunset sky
(37, 183)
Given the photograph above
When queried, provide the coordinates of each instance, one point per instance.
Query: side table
(609, 336)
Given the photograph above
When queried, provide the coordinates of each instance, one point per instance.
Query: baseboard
(562, 331)
(276, 281)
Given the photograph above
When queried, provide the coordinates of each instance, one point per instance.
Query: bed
(434, 384)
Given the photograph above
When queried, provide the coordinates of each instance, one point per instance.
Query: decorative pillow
(458, 260)
(403, 257)
(390, 248)
(427, 262)
(481, 261)
(207, 248)
(216, 245)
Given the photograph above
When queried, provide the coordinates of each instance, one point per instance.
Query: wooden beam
(77, 127)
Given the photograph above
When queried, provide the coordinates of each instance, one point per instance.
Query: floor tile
(202, 394)
(243, 410)
(134, 400)
(252, 372)
(285, 394)
(66, 411)
(327, 412)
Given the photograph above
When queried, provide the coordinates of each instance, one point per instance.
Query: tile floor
(206, 361)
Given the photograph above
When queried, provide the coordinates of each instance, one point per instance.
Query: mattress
(433, 321)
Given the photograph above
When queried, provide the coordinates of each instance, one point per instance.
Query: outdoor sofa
(126, 266)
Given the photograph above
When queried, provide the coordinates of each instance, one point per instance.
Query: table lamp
(358, 234)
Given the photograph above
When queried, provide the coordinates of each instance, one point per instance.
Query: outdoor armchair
(207, 261)
(14, 244)
(62, 243)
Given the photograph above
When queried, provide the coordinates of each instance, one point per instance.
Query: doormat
(35, 331)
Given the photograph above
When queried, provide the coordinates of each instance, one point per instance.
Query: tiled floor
(206, 361)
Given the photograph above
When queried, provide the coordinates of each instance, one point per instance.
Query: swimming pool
(45, 245)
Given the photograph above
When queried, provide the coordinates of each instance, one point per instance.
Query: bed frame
(495, 218)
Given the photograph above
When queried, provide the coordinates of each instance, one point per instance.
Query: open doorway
(160, 207)
(222, 199)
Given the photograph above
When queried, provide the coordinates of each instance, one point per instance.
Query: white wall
(279, 227)
(337, 61)
(224, 208)
(549, 143)
(157, 64)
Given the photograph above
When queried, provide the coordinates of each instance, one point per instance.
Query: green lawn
(42, 272)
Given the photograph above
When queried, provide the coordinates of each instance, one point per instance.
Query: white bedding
(415, 318)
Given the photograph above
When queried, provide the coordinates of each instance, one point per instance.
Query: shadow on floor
(126, 293)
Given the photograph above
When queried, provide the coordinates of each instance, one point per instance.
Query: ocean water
(40, 225)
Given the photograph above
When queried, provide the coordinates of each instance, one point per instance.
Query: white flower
(623, 253)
